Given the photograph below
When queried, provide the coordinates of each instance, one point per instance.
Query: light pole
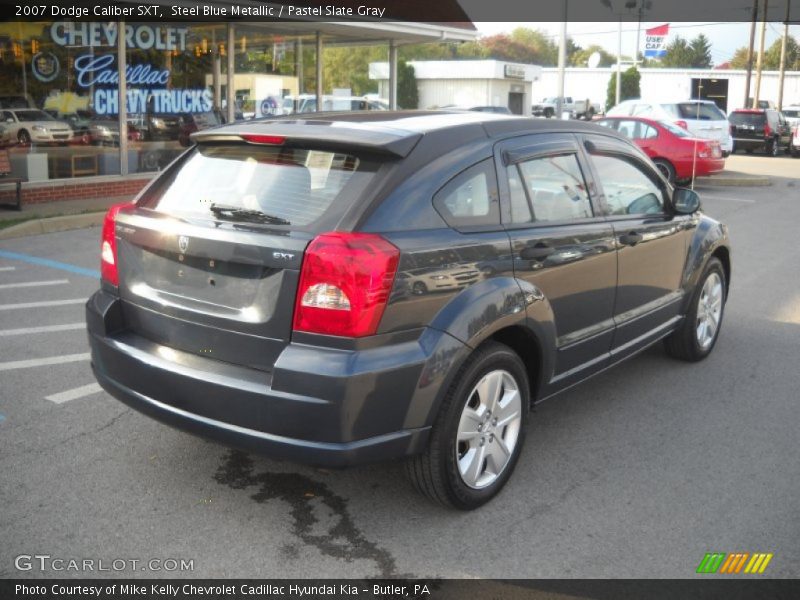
(618, 91)
(562, 62)
(760, 64)
(783, 56)
(750, 54)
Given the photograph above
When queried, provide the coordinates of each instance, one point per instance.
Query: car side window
(470, 199)
(553, 189)
(630, 129)
(647, 132)
(628, 189)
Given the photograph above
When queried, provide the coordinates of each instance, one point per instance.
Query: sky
(725, 37)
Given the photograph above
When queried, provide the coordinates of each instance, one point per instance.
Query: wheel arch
(506, 310)
(527, 346)
(710, 241)
(723, 253)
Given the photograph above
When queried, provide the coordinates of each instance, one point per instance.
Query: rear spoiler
(322, 134)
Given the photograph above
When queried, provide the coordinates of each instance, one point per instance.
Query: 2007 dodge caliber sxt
(359, 287)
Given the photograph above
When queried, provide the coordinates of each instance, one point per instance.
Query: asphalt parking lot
(638, 474)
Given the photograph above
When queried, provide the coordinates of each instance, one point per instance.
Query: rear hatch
(703, 119)
(748, 125)
(209, 260)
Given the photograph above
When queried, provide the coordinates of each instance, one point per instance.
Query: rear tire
(694, 339)
(666, 169)
(548, 113)
(748, 150)
(479, 431)
(795, 152)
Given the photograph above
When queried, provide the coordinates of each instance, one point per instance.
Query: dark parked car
(161, 127)
(261, 290)
(192, 122)
(760, 129)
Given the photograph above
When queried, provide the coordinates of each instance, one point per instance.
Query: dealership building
(723, 86)
(176, 76)
(468, 83)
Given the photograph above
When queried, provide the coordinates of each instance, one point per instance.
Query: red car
(672, 148)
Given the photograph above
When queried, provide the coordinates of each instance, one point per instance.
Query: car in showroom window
(362, 287)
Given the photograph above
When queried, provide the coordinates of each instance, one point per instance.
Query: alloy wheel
(489, 429)
(709, 311)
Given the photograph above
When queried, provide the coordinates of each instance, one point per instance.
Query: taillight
(683, 124)
(767, 130)
(345, 283)
(270, 140)
(108, 244)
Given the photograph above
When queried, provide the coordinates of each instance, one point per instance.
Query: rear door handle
(630, 239)
(537, 251)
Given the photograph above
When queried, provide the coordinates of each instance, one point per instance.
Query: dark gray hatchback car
(351, 287)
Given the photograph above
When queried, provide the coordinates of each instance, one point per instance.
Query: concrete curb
(52, 225)
(734, 181)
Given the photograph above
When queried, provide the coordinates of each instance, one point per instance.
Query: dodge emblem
(183, 243)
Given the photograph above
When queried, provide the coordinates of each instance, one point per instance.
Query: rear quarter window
(309, 188)
(470, 199)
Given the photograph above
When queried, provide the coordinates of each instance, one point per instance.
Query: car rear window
(674, 129)
(308, 188)
(701, 111)
(747, 118)
(791, 113)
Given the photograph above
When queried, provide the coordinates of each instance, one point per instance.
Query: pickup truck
(578, 109)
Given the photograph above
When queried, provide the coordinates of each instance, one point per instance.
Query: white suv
(701, 118)
(792, 114)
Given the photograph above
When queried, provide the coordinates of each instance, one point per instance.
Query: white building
(725, 87)
(468, 83)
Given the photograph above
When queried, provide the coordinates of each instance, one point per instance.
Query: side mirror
(685, 201)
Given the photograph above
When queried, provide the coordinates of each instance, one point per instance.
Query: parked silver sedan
(33, 125)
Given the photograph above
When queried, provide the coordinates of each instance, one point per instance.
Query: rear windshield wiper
(244, 214)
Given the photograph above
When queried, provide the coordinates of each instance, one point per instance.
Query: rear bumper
(318, 406)
(385, 447)
(753, 143)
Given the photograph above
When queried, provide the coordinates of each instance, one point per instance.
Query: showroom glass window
(48, 114)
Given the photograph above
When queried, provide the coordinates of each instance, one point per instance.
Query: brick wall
(74, 189)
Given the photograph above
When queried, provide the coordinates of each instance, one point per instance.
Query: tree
(700, 48)
(580, 58)
(683, 54)
(348, 67)
(523, 45)
(739, 59)
(679, 54)
(407, 93)
(629, 89)
(772, 57)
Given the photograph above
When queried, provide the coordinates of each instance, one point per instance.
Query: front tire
(478, 435)
(24, 138)
(773, 148)
(697, 335)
